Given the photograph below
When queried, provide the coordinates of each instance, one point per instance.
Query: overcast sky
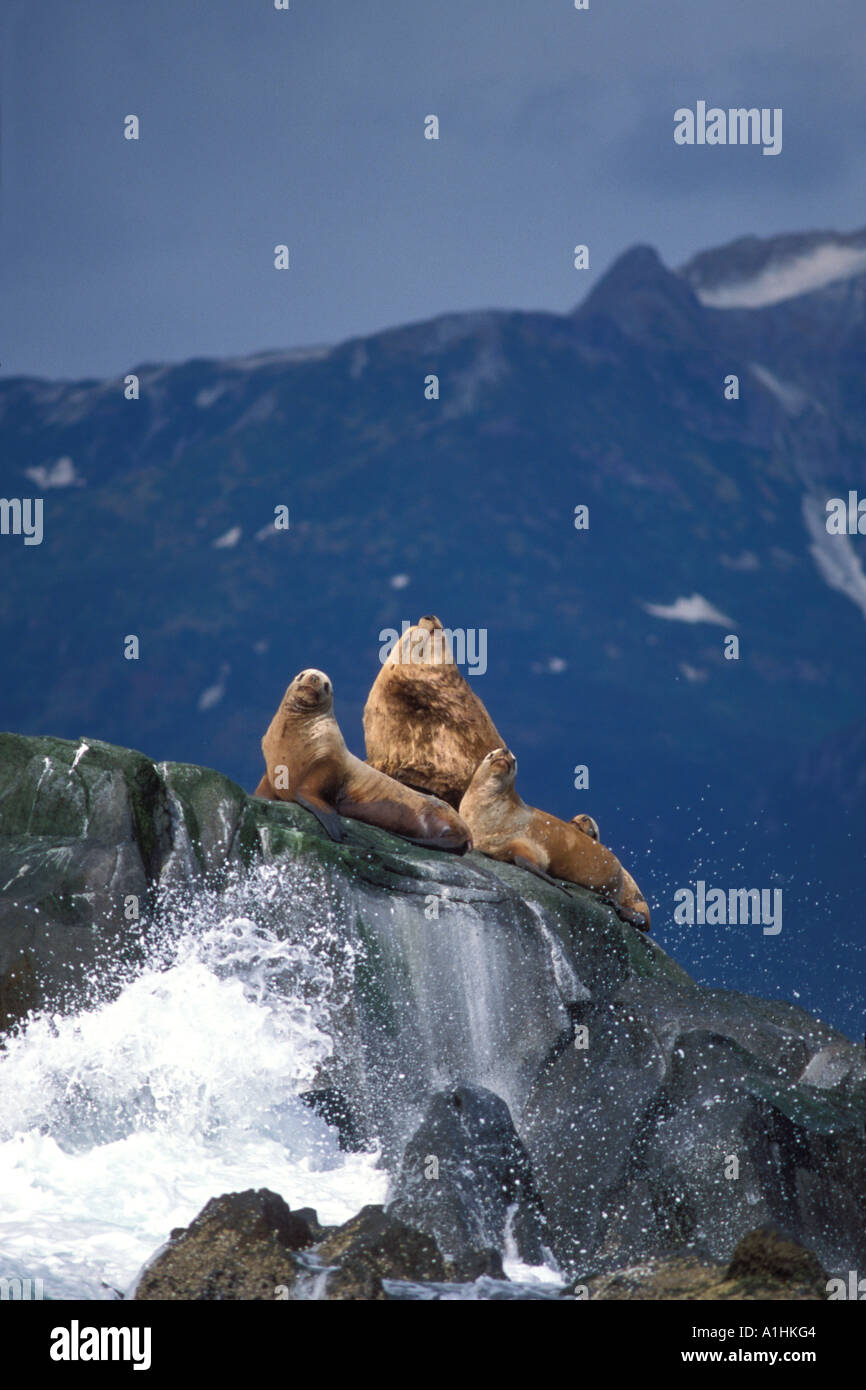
(306, 127)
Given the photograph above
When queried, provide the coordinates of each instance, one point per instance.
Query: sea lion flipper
(521, 862)
(327, 818)
(398, 818)
(460, 848)
(373, 797)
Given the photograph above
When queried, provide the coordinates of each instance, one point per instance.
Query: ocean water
(120, 1122)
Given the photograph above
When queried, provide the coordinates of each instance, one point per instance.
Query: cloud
(774, 283)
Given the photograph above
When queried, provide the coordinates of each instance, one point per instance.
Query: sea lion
(423, 724)
(506, 828)
(587, 824)
(307, 761)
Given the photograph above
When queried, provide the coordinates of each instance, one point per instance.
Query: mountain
(605, 646)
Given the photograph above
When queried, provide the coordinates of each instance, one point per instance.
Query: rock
(765, 1266)
(373, 1246)
(355, 1281)
(475, 1264)
(248, 1245)
(450, 973)
(337, 1111)
(465, 1174)
(768, 1256)
(685, 1119)
(311, 1217)
(240, 1246)
(82, 832)
(430, 997)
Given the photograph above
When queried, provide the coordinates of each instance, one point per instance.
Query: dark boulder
(373, 1246)
(766, 1266)
(466, 1178)
(767, 1256)
(689, 1114)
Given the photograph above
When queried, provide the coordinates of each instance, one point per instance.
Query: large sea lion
(506, 828)
(307, 761)
(423, 724)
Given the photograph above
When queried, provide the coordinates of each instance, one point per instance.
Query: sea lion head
(498, 769)
(425, 644)
(310, 691)
(587, 825)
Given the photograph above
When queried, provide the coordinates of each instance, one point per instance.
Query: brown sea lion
(506, 828)
(423, 724)
(587, 824)
(307, 761)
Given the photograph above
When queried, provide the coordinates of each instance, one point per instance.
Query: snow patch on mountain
(229, 539)
(791, 398)
(214, 693)
(696, 609)
(787, 279)
(63, 473)
(315, 353)
(837, 562)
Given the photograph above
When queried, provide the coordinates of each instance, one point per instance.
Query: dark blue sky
(306, 127)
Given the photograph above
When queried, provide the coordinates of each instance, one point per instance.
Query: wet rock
(373, 1246)
(81, 830)
(240, 1246)
(766, 1266)
(475, 1264)
(769, 1256)
(683, 1119)
(333, 1107)
(354, 1281)
(466, 1178)
(689, 1116)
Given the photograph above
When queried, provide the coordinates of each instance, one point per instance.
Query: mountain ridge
(464, 507)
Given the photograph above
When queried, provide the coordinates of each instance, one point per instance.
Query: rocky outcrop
(376, 1245)
(249, 1246)
(766, 1265)
(240, 1246)
(651, 1117)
